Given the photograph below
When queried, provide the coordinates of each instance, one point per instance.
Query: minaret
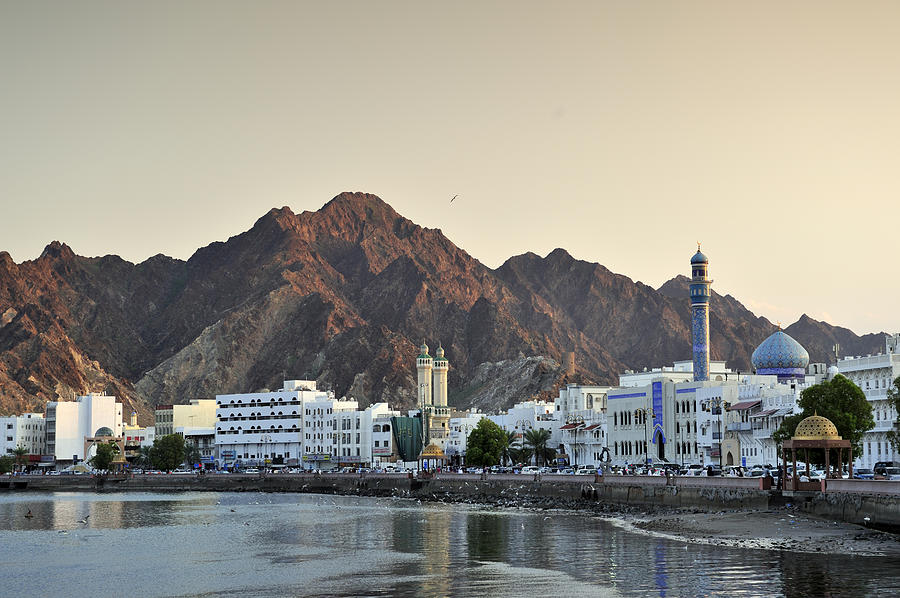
(700, 314)
(440, 422)
(134, 419)
(441, 366)
(423, 365)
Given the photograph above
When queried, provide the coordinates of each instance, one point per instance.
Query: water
(253, 544)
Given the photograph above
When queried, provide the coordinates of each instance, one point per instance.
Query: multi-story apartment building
(331, 433)
(27, 431)
(875, 374)
(255, 429)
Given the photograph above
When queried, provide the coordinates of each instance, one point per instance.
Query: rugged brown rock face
(344, 295)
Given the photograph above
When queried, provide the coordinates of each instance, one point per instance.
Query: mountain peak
(359, 206)
(57, 250)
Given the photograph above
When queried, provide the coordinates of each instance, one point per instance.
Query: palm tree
(20, 453)
(143, 459)
(537, 439)
(508, 449)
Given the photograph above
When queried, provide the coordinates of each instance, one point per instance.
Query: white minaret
(441, 366)
(423, 365)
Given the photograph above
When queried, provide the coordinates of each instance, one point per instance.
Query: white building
(329, 433)
(27, 430)
(680, 371)
(580, 432)
(68, 423)
(382, 437)
(255, 429)
(875, 374)
(460, 428)
(204, 439)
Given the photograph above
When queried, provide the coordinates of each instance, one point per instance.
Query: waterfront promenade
(877, 503)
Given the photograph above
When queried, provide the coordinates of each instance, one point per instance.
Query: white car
(251, 470)
(586, 471)
(532, 469)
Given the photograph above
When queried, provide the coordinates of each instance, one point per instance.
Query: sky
(623, 132)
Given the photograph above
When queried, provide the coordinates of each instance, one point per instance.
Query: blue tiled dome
(699, 258)
(780, 354)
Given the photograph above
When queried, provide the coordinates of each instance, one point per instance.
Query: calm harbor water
(254, 544)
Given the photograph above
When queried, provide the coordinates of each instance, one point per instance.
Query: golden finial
(778, 323)
(698, 245)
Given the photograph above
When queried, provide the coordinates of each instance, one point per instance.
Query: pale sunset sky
(623, 132)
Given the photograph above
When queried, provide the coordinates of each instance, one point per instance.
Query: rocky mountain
(345, 295)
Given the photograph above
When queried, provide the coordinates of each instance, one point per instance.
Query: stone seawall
(881, 504)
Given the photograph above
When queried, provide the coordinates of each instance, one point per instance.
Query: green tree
(106, 453)
(842, 402)
(893, 397)
(20, 456)
(486, 444)
(537, 439)
(167, 452)
(6, 463)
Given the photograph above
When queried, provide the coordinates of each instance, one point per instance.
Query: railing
(739, 426)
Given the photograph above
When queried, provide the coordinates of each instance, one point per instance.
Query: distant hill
(345, 295)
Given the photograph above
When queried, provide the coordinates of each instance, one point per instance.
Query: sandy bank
(783, 529)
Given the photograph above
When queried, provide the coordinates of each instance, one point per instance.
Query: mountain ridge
(344, 295)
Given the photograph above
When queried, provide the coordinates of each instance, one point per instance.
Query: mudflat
(782, 529)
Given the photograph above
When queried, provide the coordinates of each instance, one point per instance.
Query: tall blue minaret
(700, 314)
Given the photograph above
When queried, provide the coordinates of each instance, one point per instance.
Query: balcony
(739, 427)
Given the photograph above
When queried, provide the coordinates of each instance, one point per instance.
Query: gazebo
(815, 432)
(431, 458)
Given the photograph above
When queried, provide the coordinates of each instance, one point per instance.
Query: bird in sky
(454, 197)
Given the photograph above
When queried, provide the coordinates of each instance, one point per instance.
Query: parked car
(863, 474)
(586, 471)
(892, 473)
(530, 469)
(882, 465)
(251, 470)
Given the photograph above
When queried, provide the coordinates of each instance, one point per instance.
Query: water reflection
(256, 544)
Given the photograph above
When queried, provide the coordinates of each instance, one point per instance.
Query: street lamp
(578, 421)
(522, 424)
(265, 439)
(647, 414)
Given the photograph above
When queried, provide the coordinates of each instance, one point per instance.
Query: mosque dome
(439, 353)
(104, 431)
(782, 355)
(816, 427)
(699, 258)
(423, 351)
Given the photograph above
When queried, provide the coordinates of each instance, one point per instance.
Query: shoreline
(714, 516)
